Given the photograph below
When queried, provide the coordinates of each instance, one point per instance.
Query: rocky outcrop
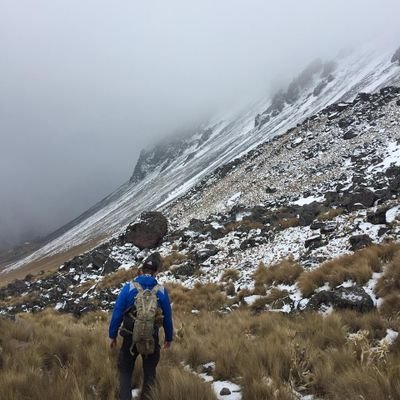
(149, 231)
(396, 56)
(354, 298)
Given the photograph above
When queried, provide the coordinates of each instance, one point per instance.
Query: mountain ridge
(229, 140)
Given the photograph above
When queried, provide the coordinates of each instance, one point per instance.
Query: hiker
(139, 336)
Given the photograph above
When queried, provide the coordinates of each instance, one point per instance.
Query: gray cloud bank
(84, 85)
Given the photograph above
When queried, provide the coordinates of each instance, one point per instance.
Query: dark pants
(126, 364)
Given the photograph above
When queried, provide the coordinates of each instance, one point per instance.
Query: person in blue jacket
(125, 300)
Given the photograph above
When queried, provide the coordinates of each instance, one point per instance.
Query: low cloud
(85, 85)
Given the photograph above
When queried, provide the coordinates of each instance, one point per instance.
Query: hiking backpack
(146, 316)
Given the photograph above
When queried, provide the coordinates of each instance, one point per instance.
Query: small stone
(225, 392)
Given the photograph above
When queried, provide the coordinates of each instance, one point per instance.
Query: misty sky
(85, 84)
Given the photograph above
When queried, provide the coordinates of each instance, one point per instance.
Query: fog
(84, 85)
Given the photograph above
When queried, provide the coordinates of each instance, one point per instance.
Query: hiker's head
(151, 264)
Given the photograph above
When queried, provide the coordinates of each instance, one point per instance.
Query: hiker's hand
(113, 343)
(167, 345)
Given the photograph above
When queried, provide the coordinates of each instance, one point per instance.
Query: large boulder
(364, 198)
(354, 298)
(148, 232)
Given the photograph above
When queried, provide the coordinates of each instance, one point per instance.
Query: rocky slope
(327, 187)
(165, 173)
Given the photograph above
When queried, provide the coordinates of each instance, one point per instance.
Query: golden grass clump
(357, 267)
(207, 297)
(50, 356)
(330, 214)
(118, 278)
(230, 275)
(286, 223)
(286, 272)
(175, 258)
(276, 299)
(389, 283)
(246, 223)
(175, 384)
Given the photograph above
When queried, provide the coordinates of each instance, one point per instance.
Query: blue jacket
(126, 299)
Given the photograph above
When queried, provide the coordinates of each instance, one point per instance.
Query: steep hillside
(325, 189)
(167, 172)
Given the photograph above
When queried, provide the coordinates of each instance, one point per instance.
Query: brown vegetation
(246, 223)
(117, 278)
(230, 275)
(49, 355)
(286, 271)
(357, 267)
(174, 258)
(330, 214)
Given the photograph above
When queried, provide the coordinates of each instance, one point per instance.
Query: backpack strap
(156, 289)
(138, 286)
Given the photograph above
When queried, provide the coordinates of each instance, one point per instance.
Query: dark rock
(331, 198)
(216, 233)
(196, 225)
(78, 309)
(354, 298)
(248, 243)
(149, 231)
(383, 230)
(393, 171)
(203, 254)
(345, 122)
(316, 225)
(17, 287)
(394, 185)
(313, 243)
(308, 212)
(269, 189)
(225, 392)
(110, 265)
(396, 56)
(98, 258)
(378, 217)
(188, 269)
(328, 228)
(360, 241)
(364, 97)
(350, 134)
(364, 197)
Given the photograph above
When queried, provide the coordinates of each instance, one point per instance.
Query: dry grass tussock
(118, 278)
(208, 297)
(50, 355)
(330, 214)
(175, 258)
(286, 223)
(286, 271)
(357, 267)
(230, 275)
(245, 223)
(275, 299)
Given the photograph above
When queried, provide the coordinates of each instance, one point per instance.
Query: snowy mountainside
(327, 188)
(163, 175)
